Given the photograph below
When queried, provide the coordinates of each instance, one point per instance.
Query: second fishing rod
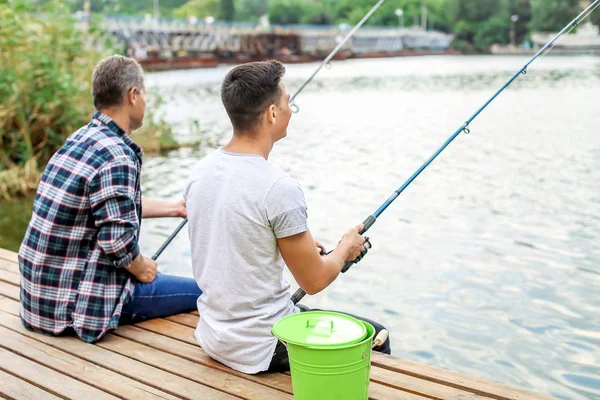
(371, 219)
(294, 106)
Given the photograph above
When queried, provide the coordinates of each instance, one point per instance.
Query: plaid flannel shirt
(84, 229)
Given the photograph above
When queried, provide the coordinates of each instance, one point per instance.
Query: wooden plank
(14, 388)
(381, 392)
(406, 367)
(395, 380)
(76, 368)
(419, 387)
(9, 277)
(189, 320)
(155, 377)
(217, 379)
(10, 291)
(170, 329)
(48, 379)
(277, 381)
(195, 354)
(177, 329)
(392, 379)
(9, 306)
(9, 255)
(9, 266)
(475, 385)
(478, 386)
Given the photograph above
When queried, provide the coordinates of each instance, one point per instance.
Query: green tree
(198, 9)
(494, 30)
(286, 12)
(250, 10)
(552, 15)
(480, 22)
(227, 10)
(316, 14)
(137, 7)
(521, 8)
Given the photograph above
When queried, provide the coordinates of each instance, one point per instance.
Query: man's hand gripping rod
(299, 294)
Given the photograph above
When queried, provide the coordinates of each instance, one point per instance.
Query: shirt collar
(113, 126)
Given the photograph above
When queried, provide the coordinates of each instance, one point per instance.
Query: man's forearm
(332, 265)
(159, 209)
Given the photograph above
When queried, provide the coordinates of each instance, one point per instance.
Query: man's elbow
(310, 291)
(121, 251)
(313, 287)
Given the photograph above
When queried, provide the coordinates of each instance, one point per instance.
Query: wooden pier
(160, 359)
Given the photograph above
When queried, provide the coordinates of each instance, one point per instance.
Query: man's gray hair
(113, 77)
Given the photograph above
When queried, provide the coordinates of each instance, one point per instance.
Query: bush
(44, 85)
(494, 30)
(46, 65)
(286, 12)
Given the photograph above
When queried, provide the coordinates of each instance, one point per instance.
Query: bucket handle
(314, 322)
(380, 338)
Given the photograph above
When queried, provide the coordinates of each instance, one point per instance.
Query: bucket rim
(368, 337)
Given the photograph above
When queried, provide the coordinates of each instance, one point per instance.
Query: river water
(489, 263)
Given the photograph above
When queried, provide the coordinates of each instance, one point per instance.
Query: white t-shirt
(238, 205)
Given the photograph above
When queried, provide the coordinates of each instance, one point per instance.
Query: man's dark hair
(249, 89)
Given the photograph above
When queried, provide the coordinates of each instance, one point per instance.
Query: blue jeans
(166, 295)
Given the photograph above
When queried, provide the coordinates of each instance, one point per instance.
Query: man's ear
(132, 96)
(272, 113)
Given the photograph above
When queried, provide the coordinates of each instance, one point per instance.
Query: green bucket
(330, 355)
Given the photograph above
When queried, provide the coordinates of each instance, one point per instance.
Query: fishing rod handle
(368, 223)
(169, 240)
(298, 295)
(363, 253)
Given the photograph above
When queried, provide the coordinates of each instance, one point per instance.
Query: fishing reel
(366, 246)
(299, 294)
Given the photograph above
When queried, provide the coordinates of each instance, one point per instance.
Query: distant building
(585, 38)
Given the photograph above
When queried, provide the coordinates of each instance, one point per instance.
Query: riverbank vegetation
(45, 93)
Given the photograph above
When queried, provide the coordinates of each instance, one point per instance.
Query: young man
(247, 221)
(80, 263)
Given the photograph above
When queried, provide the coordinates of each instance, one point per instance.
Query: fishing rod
(371, 219)
(295, 108)
(334, 52)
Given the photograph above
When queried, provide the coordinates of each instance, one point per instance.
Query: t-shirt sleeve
(286, 208)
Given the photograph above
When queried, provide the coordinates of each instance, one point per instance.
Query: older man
(80, 263)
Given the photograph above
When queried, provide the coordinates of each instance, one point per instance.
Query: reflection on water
(489, 263)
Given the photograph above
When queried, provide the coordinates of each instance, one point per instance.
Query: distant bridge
(173, 39)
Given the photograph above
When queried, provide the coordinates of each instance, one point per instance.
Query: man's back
(238, 206)
(67, 280)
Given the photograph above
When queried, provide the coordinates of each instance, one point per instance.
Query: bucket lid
(320, 329)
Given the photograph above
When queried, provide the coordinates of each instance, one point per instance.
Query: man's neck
(250, 143)
(119, 117)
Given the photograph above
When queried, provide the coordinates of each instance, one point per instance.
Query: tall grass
(45, 92)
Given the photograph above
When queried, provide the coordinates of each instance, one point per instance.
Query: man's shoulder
(285, 182)
(99, 145)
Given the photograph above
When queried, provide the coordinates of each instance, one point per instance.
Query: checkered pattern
(83, 230)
